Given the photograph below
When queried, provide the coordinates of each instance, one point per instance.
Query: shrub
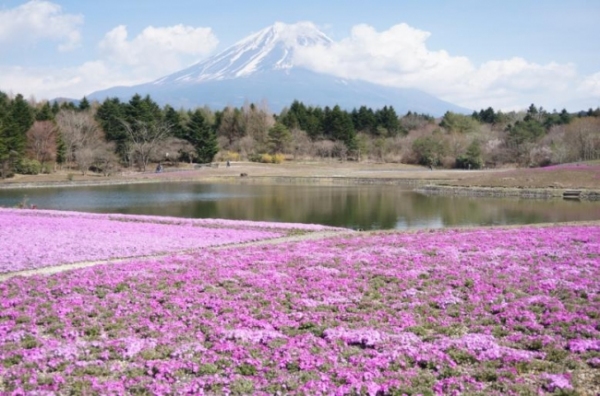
(266, 158)
(278, 158)
(254, 157)
(28, 167)
(232, 156)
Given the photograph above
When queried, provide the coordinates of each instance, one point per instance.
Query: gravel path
(66, 267)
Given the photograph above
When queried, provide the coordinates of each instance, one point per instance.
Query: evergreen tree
(21, 117)
(459, 123)
(55, 108)
(16, 117)
(173, 119)
(364, 120)
(111, 115)
(338, 125)
(67, 106)
(84, 104)
(472, 157)
(314, 122)
(388, 119)
(487, 116)
(61, 150)
(525, 131)
(202, 136)
(44, 113)
(279, 137)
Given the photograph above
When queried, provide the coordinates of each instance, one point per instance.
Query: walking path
(66, 267)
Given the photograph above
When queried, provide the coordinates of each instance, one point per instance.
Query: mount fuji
(261, 67)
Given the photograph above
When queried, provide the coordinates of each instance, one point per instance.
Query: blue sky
(506, 54)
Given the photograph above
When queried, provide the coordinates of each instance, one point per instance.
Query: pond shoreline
(423, 186)
(504, 192)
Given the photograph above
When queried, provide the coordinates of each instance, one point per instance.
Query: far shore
(551, 182)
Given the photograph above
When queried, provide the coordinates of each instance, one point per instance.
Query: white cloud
(156, 51)
(150, 55)
(40, 20)
(399, 57)
(50, 82)
(592, 85)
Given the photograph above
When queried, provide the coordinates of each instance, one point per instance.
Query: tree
(525, 131)
(300, 143)
(279, 138)
(110, 116)
(16, 118)
(257, 121)
(44, 113)
(338, 126)
(583, 138)
(21, 119)
(173, 119)
(429, 150)
(104, 157)
(230, 124)
(364, 120)
(145, 140)
(202, 136)
(81, 135)
(61, 150)
(84, 104)
(458, 123)
(41, 141)
(388, 119)
(472, 157)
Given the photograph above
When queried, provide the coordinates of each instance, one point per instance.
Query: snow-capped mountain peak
(271, 48)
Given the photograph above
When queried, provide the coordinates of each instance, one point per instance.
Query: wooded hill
(104, 137)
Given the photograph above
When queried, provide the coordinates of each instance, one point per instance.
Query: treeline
(104, 137)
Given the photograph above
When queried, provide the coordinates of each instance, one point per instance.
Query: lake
(359, 207)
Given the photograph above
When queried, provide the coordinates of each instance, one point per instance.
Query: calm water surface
(358, 207)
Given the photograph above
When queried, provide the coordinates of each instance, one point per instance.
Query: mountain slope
(261, 68)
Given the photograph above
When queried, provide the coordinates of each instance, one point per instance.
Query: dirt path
(66, 267)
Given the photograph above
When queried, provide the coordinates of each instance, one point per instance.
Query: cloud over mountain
(265, 66)
(42, 54)
(400, 57)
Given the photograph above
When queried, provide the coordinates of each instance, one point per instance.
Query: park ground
(567, 176)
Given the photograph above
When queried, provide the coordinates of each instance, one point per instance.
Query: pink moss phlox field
(485, 311)
(31, 239)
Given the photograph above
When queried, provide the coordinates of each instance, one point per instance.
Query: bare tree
(79, 131)
(84, 158)
(174, 149)
(105, 158)
(300, 143)
(583, 136)
(324, 148)
(231, 126)
(340, 150)
(41, 141)
(146, 139)
(247, 146)
(257, 120)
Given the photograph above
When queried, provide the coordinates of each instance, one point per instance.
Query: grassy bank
(573, 176)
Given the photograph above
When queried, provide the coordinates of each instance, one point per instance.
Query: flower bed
(31, 239)
(488, 311)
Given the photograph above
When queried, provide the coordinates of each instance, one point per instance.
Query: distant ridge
(261, 67)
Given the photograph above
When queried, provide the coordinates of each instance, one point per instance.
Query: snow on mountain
(261, 68)
(269, 49)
